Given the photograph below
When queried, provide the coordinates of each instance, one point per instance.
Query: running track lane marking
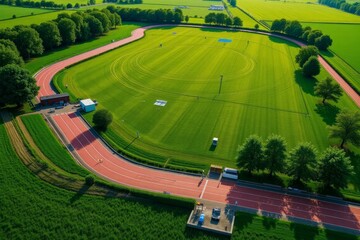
(202, 193)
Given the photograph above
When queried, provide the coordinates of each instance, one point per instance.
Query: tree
(102, 119)
(275, 154)
(328, 89)
(186, 18)
(228, 21)
(323, 42)
(294, 28)
(256, 26)
(9, 53)
(28, 42)
(67, 30)
(314, 34)
(105, 22)
(220, 18)
(92, 2)
(347, 128)
(334, 168)
(50, 35)
(95, 26)
(305, 53)
(233, 3)
(237, 22)
(210, 18)
(302, 162)
(17, 86)
(251, 154)
(311, 67)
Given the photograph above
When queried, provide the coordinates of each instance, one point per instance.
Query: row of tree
(43, 4)
(232, 3)
(302, 163)
(65, 30)
(343, 5)
(149, 15)
(124, 1)
(223, 19)
(295, 29)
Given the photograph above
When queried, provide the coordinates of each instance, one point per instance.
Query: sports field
(7, 12)
(255, 97)
(301, 11)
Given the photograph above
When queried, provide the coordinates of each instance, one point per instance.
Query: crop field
(303, 12)
(248, 22)
(50, 145)
(25, 199)
(73, 2)
(35, 19)
(7, 12)
(255, 97)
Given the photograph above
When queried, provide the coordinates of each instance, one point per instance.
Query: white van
(230, 173)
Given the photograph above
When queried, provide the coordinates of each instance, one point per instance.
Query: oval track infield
(97, 157)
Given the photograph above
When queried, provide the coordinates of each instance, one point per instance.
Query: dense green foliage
(50, 34)
(305, 53)
(9, 53)
(102, 119)
(302, 161)
(328, 89)
(353, 8)
(275, 154)
(347, 128)
(17, 86)
(50, 145)
(334, 168)
(251, 153)
(311, 67)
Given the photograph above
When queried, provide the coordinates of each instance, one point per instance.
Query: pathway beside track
(96, 156)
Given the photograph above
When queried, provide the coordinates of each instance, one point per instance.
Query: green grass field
(50, 145)
(303, 12)
(7, 12)
(248, 22)
(256, 97)
(35, 19)
(344, 36)
(55, 56)
(32, 209)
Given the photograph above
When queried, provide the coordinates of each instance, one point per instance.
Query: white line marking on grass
(202, 193)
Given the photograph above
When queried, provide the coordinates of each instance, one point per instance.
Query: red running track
(45, 75)
(97, 157)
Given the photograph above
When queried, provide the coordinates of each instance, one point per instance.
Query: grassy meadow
(301, 11)
(255, 98)
(7, 12)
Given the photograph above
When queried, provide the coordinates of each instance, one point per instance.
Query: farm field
(7, 12)
(50, 145)
(253, 94)
(344, 37)
(248, 22)
(105, 217)
(303, 12)
(36, 19)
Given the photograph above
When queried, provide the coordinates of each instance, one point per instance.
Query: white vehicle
(230, 173)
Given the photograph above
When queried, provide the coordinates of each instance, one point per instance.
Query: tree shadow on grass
(328, 112)
(306, 84)
(262, 177)
(243, 220)
(79, 193)
(303, 232)
(355, 162)
(269, 223)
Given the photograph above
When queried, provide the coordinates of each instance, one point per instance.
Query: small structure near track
(224, 225)
(54, 99)
(87, 105)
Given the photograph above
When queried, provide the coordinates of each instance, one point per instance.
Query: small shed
(87, 105)
(61, 99)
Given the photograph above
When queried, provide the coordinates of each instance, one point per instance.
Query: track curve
(101, 160)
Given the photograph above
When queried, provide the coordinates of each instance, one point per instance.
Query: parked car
(216, 213)
(52, 110)
(201, 218)
(230, 173)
